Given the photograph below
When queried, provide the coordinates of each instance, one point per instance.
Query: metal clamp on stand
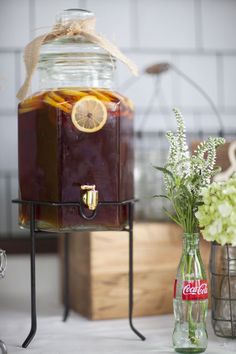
(90, 199)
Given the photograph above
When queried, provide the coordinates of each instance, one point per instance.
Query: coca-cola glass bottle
(190, 299)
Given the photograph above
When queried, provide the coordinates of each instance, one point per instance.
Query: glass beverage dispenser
(75, 136)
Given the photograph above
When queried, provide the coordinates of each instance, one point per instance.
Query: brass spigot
(90, 196)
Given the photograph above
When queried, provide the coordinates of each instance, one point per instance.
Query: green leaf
(196, 178)
(186, 191)
(164, 170)
(217, 170)
(172, 217)
(161, 196)
(198, 204)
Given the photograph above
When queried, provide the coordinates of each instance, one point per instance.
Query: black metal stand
(66, 279)
(33, 231)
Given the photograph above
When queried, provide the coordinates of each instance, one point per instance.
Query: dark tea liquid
(56, 159)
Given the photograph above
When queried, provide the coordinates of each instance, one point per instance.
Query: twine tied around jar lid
(83, 27)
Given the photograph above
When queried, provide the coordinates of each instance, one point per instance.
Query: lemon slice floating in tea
(89, 114)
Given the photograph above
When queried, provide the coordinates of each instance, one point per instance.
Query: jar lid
(73, 14)
(67, 32)
(69, 44)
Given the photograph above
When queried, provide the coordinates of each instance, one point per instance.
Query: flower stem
(191, 323)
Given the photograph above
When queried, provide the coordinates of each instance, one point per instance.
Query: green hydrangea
(217, 214)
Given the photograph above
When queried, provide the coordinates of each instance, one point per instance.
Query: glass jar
(223, 290)
(190, 299)
(75, 137)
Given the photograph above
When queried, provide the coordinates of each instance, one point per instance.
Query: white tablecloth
(81, 336)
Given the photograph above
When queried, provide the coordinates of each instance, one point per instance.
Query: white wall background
(198, 36)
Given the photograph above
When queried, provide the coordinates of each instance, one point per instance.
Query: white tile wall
(207, 123)
(229, 122)
(192, 34)
(229, 81)
(14, 215)
(7, 81)
(141, 89)
(202, 69)
(150, 31)
(8, 139)
(165, 120)
(166, 24)
(47, 272)
(8, 215)
(14, 20)
(113, 20)
(46, 11)
(3, 201)
(157, 121)
(218, 24)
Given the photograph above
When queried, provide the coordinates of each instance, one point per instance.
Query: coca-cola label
(193, 290)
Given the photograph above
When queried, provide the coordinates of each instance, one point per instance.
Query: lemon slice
(89, 114)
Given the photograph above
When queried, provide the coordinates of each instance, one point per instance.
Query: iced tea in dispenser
(75, 136)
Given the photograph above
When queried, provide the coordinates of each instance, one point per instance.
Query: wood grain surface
(99, 270)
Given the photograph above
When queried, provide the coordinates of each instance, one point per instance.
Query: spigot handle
(90, 196)
(87, 187)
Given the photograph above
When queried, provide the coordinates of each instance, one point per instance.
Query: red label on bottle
(193, 290)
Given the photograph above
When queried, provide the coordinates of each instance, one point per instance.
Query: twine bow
(85, 28)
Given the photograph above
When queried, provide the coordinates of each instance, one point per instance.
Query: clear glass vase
(190, 299)
(223, 290)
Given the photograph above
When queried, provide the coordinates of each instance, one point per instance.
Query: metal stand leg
(32, 205)
(66, 278)
(131, 211)
(33, 283)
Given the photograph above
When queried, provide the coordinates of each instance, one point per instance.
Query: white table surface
(81, 336)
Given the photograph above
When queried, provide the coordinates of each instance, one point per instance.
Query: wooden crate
(99, 270)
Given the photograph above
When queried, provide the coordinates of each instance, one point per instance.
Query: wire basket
(223, 290)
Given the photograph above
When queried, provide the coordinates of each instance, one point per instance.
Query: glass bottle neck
(190, 242)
